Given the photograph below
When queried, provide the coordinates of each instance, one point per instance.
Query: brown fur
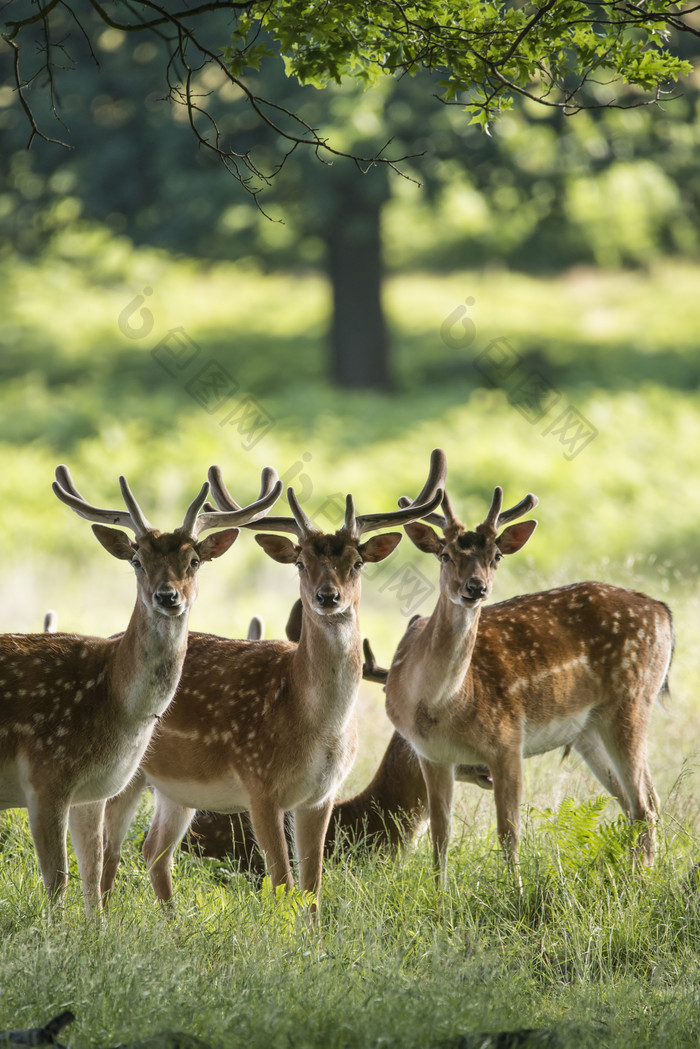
(262, 725)
(76, 713)
(579, 665)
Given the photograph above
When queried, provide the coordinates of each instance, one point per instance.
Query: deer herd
(215, 726)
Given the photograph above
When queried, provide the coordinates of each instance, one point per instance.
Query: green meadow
(600, 952)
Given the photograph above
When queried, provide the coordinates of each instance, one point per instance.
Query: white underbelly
(538, 739)
(445, 751)
(111, 778)
(218, 795)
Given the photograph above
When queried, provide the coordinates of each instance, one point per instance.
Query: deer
(268, 726)
(577, 667)
(387, 814)
(76, 712)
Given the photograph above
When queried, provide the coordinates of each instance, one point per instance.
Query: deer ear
(423, 536)
(115, 542)
(278, 547)
(514, 537)
(380, 546)
(217, 544)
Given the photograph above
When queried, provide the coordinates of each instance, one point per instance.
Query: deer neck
(327, 664)
(446, 645)
(148, 662)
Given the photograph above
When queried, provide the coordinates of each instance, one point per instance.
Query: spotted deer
(77, 713)
(387, 814)
(268, 726)
(578, 667)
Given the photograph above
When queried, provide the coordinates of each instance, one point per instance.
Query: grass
(606, 954)
(589, 942)
(602, 953)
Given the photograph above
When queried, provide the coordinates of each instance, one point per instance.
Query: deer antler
(445, 521)
(194, 522)
(529, 502)
(133, 517)
(297, 525)
(495, 519)
(301, 526)
(231, 514)
(430, 497)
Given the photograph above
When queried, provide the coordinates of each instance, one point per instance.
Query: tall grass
(589, 945)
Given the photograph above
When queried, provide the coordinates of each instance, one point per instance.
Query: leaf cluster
(484, 53)
(487, 51)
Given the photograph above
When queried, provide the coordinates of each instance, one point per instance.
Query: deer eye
(135, 563)
(300, 566)
(497, 557)
(358, 565)
(195, 562)
(446, 559)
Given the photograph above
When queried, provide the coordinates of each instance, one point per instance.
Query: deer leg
(268, 826)
(85, 822)
(626, 745)
(439, 782)
(168, 826)
(119, 812)
(594, 752)
(48, 822)
(310, 826)
(507, 773)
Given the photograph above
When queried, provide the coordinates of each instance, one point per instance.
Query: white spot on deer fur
(78, 696)
(90, 683)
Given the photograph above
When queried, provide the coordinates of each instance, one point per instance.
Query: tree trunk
(358, 337)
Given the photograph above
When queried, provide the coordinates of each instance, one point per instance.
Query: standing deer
(578, 666)
(387, 814)
(268, 726)
(77, 713)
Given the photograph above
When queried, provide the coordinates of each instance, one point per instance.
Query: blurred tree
(132, 167)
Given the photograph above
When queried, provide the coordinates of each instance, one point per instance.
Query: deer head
(330, 565)
(469, 559)
(165, 563)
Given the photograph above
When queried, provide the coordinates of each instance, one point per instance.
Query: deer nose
(327, 597)
(475, 587)
(166, 596)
